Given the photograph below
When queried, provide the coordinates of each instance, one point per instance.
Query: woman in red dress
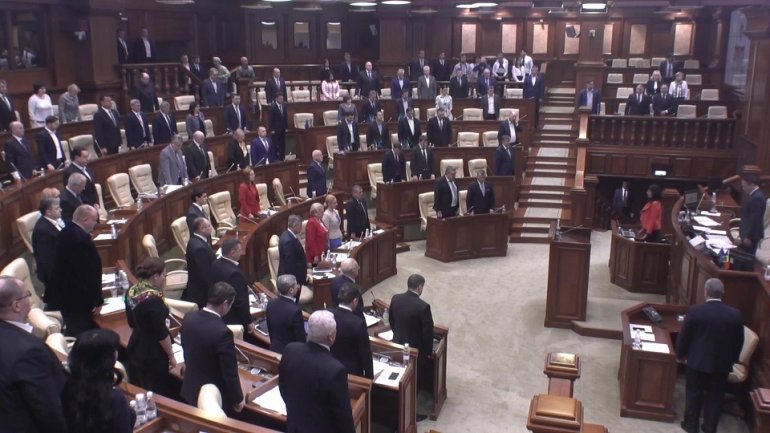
(316, 235)
(651, 215)
(248, 196)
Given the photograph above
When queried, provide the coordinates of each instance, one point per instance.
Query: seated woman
(650, 216)
(316, 235)
(248, 196)
(332, 221)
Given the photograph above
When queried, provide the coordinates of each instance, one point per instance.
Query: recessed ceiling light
(175, 2)
(425, 11)
(485, 4)
(259, 5)
(364, 10)
(268, 23)
(363, 4)
(396, 2)
(277, 1)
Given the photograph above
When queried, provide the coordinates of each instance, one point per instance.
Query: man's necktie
(5, 101)
(112, 117)
(368, 74)
(439, 124)
(238, 113)
(483, 190)
(425, 155)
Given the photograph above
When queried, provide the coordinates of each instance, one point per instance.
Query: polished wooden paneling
(637, 161)
(638, 266)
(568, 264)
(467, 237)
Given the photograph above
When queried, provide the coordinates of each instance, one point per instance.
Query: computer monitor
(691, 198)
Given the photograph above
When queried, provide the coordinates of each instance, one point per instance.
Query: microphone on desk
(702, 196)
(59, 166)
(13, 166)
(468, 212)
(559, 233)
(260, 161)
(230, 168)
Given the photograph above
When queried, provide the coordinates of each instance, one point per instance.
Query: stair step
(529, 238)
(543, 194)
(561, 91)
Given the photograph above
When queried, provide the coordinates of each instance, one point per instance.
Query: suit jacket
(197, 161)
(147, 97)
(369, 111)
(442, 72)
(20, 156)
(107, 132)
(193, 213)
(636, 108)
(211, 97)
(443, 197)
(347, 72)
(162, 131)
(440, 137)
(123, 51)
(535, 91)
(458, 87)
(7, 114)
(140, 53)
(47, 149)
(137, 133)
(200, 258)
(653, 87)
(344, 140)
(279, 118)
(752, 214)
(44, 238)
(231, 118)
(391, 170)
(199, 71)
(377, 139)
(412, 322)
(284, 323)
(405, 135)
(505, 129)
(209, 357)
(89, 192)
(351, 347)
(596, 102)
(427, 89)
(272, 89)
(292, 258)
(415, 69)
(711, 338)
(227, 271)
(618, 204)
(502, 163)
(335, 287)
(357, 215)
(422, 167)
(33, 379)
(316, 179)
(400, 110)
(77, 287)
(663, 102)
(664, 66)
(482, 87)
(477, 202)
(260, 155)
(235, 157)
(485, 105)
(68, 203)
(367, 84)
(314, 386)
(397, 90)
(171, 167)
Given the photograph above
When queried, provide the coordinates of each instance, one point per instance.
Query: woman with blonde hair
(332, 221)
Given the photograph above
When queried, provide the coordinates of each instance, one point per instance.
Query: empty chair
(622, 109)
(624, 92)
(385, 92)
(431, 113)
(408, 170)
(278, 191)
(717, 112)
(102, 209)
(489, 138)
(262, 98)
(506, 112)
(362, 141)
(26, 225)
(210, 401)
(461, 199)
(472, 114)
(181, 232)
(692, 64)
(273, 258)
(467, 139)
(180, 308)
(85, 141)
(87, 111)
(514, 93)
(302, 120)
(209, 127)
(343, 93)
(686, 111)
(602, 109)
(426, 201)
(416, 112)
(614, 78)
(182, 128)
(330, 118)
(656, 61)
(709, 94)
(633, 62)
(474, 165)
(619, 63)
(58, 343)
(301, 95)
(375, 176)
(331, 148)
(264, 200)
(394, 138)
(457, 163)
(694, 79)
(141, 179)
(221, 209)
(182, 102)
(120, 189)
(176, 279)
(640, 78)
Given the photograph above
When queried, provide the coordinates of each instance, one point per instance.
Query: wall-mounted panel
(683, 37)
(571, 38)
(539, 38)
(607, 42)
(468, 38)
(509, 38)
(638, 41)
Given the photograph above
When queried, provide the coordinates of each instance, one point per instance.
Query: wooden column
(754, 128)
(590, 63)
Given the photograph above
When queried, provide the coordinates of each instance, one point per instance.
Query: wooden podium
(638, 266)
(467, 237)
(568, 261)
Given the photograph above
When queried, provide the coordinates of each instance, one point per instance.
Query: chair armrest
(179, 262)
(42, 324)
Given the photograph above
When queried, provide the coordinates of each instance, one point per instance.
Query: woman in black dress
(149, 348)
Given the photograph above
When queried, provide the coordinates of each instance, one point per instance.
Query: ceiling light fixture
(594, 7)
(396, 2)
(268, 23)
(259, 6)
(277, 1)
(363, 4)
(175, 2)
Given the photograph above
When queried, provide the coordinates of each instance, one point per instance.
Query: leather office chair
(416, 112)
(26, 225)
(514, 93)
(123, 141)
(375, 176)
(621, 108)
(301, 119)
(176, 280)
(141, 179)
(692, 64)
(737, 379)
(686, 112)
(87, 111)
(85, 141)
(343, 93)
(624, 92)
(472, 114)
(694, 79)
(102, 210)
(262, 98)
(331, 148)
(467, 139)
(182, 102)
(489, 139)
(180, 308)
(210, 401)
(709, 95)
(457, 163)
(393, 139)
(640, 78)
(273, 259)
(633, 62)
(181, 232)
(431, 113)
(221, 209)
(330, 118)
(461, 197)
(385, 92)
(474, 165)
(59, 343)
(642, 63)
(212, 164)
(120, 190)
(656, 61)
(303, 234)
(619, 63)
(264, 200)
(717, 112)
(505, 112)
(208, 125)
(300, 95)
(278, 191)
(182, 128)
(408, 170)
(614, 78)
(43, 322)
(426, 201)
(362, 141)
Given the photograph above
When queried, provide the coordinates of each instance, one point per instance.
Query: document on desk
(108, 279)
(714, 214)
(378, 366)
(178, 352)
(103, 237)
(390, 376)
(254, 310)
(272, 400)
(705, 221)
(655, 347)
(645, 332)
(120, 221)
(697, 240)
(387, 335)
(112, 305)
(371, 320)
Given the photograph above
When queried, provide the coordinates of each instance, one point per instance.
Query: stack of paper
(108, 279)
(178, 352)
(272, 400)
(655, 347)
(387, 335)
(705, 221)
(103, 237)
(391, 375)
(371, 320)
(379, 366)
(117, 221)
(645, 332)
(112, 305)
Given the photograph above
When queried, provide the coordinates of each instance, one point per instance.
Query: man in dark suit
(291, 254)
(163, 125)
(49, 145)
(422, 160)
(351, 347)
(7, 111)
(589, 97)
(198, 198)
(137, 128)
(285, 323)
(106, 127)
(409, 130)
(72, 196)
(349, 269)
(440, 129)
(18, 154)
(227, 269)
(412, 321)
(123, 53)
(307, 371)
(197, 158)
(481, 197)
(144, 91)
(710, 343)
(485, 82)
(212, 91)
(279, 124)
(348, 71)
(200, 258)
(235, 115)
(511, 128)
(490, 105)
(76, 290)
(144, 49)
(32, 378)
(441, 68)
(79, 158)
(446, 195)
(403, 105)
(752, 213)
(262, 149)
(368, 80)
(620, 203)
(357, 213)
(534, 88)
(663, 104)
(197, 69)
(347, 134)
(416, 65)
(399, 85)
(44, 237)
(668, 69)
(316, 175)
(377, 135)
(458, 85)
(209, 351)
(393, 165)
(370, 107)
(638, 103)
(503, 160)
(275, 86)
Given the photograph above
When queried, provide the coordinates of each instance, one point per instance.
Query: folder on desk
(272, 400)
(390, 376)
(371, 320)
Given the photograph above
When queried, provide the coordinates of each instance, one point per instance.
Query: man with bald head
(368, 80)
(72, 196)
(349, 272)
(76, 289)
(197, 158)
(144, 91)
(32, 378)
(18, 153)
(275, 86)
(137, 127)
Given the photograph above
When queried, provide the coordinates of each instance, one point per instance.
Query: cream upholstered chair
(640, 78)
(278, 191)
(686, 112)
(331, 148)
(43, 322)
(58, 343)
(237, 331)
(467, 139)
(262, 97)
(273, 260)
(709, 95)
(302, 234)
(182, 128)
(740, 370)
(123, 141)
(602, 109)
(209, 127)
(614, 78)
(213, 163)
(457, 163)
(26, 225)
(462, 196)
(408, 170)
(221, 208)
(176, 279)
(514, 93)
(632, 62)
(624, 92)
(717, 112)
(472, 114)
(619, 63)
(264, 200)
(474, 165)
(489, 139)
(431, 112)
(180, 308)
(393, 139)
(141, 179)
(120, 189)
(330, 118)
(344, 92)
(301, 95)
(385, 92)
(183, 102)
(416, 112)
(692, 64)
(643, 63)
(87, 111)
(103, 215)
(85, 141)
(505, 112)
(426, 201)
(210, 401)
(656, 61)
(694, 79)
(622, 109)
(302, 119)
(181, 232)
(362, 141)
(375, 176)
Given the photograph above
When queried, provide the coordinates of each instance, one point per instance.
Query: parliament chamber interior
(579, 187)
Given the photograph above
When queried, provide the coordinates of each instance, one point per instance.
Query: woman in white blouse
(332, 221)
(330, 89)
(517, 71)
(39, 105)
(444, 100)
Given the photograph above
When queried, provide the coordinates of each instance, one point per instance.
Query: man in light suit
(503, 160)
(534, 88)
(422, 160)
(291, 254)
(368, 80)
(235, 115)
(212, 92)
(638, 103)
(172, 170)
(316, 175)
(275, 86)
(409, 130)
(163, 125)
(511, 128)
(197, 158)
(490, 104)
(347, 134)
(393, 165)
(137, 128)
(279, 124)
(427, 88)
(446, 194)
(440, 129)
(199, 257)
(399, 85)
(7, 111)
(377, 135)
(285, 323)
(589, 97)
(262, 149)
(352, 347)
(106, 127)
(481, 197)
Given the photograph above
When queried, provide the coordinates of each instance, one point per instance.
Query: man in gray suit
(172, 164)
(426, 85)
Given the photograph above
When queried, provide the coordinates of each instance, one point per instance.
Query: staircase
(550, 169)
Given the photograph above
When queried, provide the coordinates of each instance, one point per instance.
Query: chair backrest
(622, 108)
(182, 128)
(181, 232)
(506, 112)
(766, 219)
(120, 190)
(514, 93)
(426, 201)
(301, 95)
(633, 62)
(709, 94)
(278, 191)
(394, 138)
(624, 92)
(18, 268)
(85, 141)
(656, 61)
(301, 119)
(330, 118)
(694, 79)
(26, 225)
(408, 169)
(180, 308)
(183, 102)
(717, 112)
(100, 198)
(262, 97)
(212, 163)
(141, 179)
(692, 64)
(375, 176)
(273, 258)
(472, 114)
(210, 401)
(467, 139)
(619, 63)
(457, 163)
(343, 93)
(362, 141)
(640, 78)
(303, 233)
(331, 148)
(58, 343)
(463, 194)
(489, 139)
(264, 200)
(686, 111)
(385, 92)
(602, 109)
(87, 111)
(416, 112)
(614, 78)
(148, 242)
(474, 165)
(431, 113)
(221, 208)
(209, 126)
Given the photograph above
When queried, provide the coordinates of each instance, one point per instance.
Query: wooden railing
(170, 79)
(645, 131)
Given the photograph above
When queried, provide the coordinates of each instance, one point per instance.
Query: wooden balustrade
(170, 79)
(645, 131)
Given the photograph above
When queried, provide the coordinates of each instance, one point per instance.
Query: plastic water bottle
(713, 202)
(138, 204)
(637, 340)
(132, 405)
(141, 409)
(123, 282)
(152, 408)
(114, 229)
(386, 316)
(406, 355)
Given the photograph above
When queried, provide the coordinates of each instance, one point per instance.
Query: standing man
(212, 93)
(393, 165)
(44, 238)
(316, 176)
(352, 347)
(49, 145)
(752, 213)
(313, 384)
(377, 135)
(490, 104)
(349, 269)
(209, 351)
(416, 65)
(285, 323)
(446, 195)
(368, 81)
(163, 124)
(144, 91)
(275, 86)
(458, 85)
(370, 106)
(72, 196)
(79, 157)
(590, 98)
(348, 70)
(503, 160)
(198, 198)
(426, 85)
(403, 105)
(422, 161)
(227, 269)
(485, 82)
(235, 115)
(481, 196)
(534, 88)
(347, 134)
(668, 69)
(620, 201)
(409, 130)
(710, 343)
(7, 111)
(526, 62)
(663, 104)
(106, 127)
(32, 378)
(441, 68)
(200, 258)
(279, 124)
(291, 254)
(412, 321)
(399, 85)
(171, 164)
(511, 128)
(638, 103)
(197, 158)
(76, 290)
(262, 150)
(137, 128)
(440, 129)
(123, 53)
(18, 154)
(144, 49)
(357, 214)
